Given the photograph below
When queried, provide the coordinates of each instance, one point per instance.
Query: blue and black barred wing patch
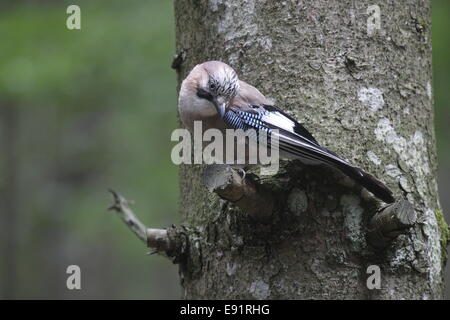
(238, 119)
(293, 138)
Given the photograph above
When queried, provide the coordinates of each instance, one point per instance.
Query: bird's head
(214, 84)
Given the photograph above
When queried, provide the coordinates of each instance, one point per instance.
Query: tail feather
(372, 184)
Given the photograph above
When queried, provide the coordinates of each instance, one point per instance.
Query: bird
(213, 94)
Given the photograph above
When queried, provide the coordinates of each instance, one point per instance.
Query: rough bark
(365, 94)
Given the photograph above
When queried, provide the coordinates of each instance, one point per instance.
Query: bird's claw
(241, 173)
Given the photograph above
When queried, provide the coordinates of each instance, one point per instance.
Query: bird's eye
(212, 86)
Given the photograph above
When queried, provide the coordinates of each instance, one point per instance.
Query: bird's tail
(372, 184)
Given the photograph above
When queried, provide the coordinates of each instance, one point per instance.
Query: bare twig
(173, 241)
(154, 238)
(158, 239)
(121, 206)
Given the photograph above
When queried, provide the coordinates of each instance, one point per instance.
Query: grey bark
(364, 93)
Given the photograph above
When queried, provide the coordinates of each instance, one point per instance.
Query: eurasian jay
(213, 94)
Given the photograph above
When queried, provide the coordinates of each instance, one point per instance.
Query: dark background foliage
(85, 110)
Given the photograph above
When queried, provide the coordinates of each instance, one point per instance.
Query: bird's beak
(220, 105)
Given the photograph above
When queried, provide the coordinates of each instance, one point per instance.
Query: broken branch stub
(245, 193)
(390, 222)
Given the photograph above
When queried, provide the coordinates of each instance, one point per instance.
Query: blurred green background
(81, 111)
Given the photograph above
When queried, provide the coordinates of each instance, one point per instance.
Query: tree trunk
(9, 199)
(361, 83)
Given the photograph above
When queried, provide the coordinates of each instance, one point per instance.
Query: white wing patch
(278, 120)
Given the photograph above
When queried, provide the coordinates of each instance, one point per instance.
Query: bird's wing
(255, 109)
(294, 139)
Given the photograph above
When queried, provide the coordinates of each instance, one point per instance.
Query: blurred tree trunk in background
(9, 191)
(359, 77)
